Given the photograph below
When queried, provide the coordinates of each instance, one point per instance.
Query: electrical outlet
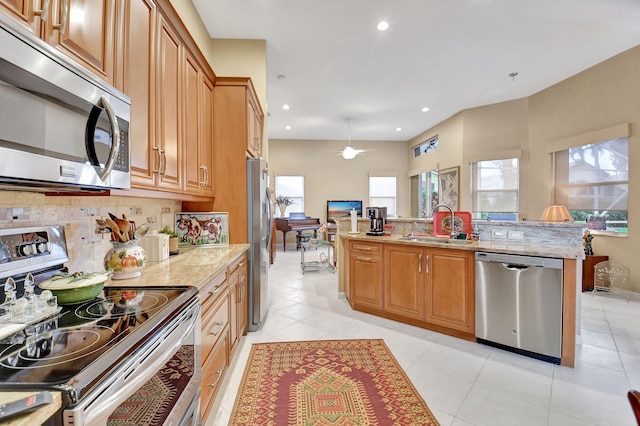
(515, 235)
(498, 234)
(135, 211)
(166, 210)
(152, 219)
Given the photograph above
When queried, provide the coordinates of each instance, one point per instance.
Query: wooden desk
(588, 264)
(285, 225)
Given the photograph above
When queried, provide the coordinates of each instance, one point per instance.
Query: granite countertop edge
(192, 267)
(521, 248)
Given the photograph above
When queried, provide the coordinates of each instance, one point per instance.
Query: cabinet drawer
(365, 248)
(214, 324)
(211, 292)
(212, 375)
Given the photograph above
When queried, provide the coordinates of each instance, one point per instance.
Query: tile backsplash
(78, 216)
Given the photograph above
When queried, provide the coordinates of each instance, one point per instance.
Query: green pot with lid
(78, 287)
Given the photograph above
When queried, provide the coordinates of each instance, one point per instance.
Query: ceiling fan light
(349, 153)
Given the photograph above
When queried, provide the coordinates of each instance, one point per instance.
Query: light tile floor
(463, 383)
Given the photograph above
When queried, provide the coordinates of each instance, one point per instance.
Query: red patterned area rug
(327, 382)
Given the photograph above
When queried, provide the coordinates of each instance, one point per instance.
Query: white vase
(283, 209)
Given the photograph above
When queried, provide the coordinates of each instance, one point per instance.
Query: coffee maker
(377, 219)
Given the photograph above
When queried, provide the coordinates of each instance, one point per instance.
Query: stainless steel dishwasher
(519, 304)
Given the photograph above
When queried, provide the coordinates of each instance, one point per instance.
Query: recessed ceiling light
(287, 127)
(425, 109)
(383, 25)
(285, 107)
(398, 129)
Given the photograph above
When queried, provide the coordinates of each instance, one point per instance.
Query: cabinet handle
(215, 289)
(44, 12)
(214, 384)
(202, 183)
(369, 248)
(156, 149)
(220, 325)
(64, 13)
(420, 263)
(206, 175)
(426, 264)
(163, 161)
(363, 259)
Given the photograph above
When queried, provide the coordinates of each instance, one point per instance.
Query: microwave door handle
(115, 131)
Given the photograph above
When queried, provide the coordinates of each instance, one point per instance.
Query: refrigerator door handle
(269, 218)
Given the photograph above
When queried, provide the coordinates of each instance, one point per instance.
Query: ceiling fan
(349, 152)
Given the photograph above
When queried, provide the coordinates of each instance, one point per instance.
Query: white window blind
(494, 187)
(292, 187)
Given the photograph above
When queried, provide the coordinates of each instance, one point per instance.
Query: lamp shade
(556, 214)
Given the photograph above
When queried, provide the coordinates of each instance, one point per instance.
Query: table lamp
(556, 214)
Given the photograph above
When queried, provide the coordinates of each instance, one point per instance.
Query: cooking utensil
(76, 288)
(141, 231)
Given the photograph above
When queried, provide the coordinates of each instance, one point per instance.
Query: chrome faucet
(414, 224)
(453, 232)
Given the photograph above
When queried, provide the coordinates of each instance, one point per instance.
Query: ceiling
(327, 60)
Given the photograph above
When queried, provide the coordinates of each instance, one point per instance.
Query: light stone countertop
(506, 247)
(36, 417)
(192, 267)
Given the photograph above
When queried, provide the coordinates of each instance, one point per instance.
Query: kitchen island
(430, 282)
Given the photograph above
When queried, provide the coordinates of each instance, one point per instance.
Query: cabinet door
(243, 315)
(85, 31)
(194, 172)
(168, 107)
(450, 289)
(254, 130)
(23, 11)
(365, 276)
(233, 312)
(404, 284)
(136, 77)
(206, 139)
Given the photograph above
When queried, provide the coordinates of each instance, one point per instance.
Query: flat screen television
(342, 208)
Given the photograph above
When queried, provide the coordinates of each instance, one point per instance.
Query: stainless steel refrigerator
(259, 217)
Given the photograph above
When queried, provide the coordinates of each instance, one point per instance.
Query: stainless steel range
(100, 353)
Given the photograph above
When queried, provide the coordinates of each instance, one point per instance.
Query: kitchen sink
(428, 239)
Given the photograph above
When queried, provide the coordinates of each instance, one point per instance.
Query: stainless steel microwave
(61, 127)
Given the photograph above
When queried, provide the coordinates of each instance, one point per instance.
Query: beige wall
(330, 177)
(601, 97)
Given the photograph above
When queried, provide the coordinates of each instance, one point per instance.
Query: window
(592, 181)
(428, 192)
(382, 193)
(292, 187)
(424, 147)
(494, 188)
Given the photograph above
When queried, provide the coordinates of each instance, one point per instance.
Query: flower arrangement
(282, 200)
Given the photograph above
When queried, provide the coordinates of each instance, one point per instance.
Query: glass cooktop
(87, 335)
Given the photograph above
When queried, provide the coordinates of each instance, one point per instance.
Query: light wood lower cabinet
(365, 274)
(426, 286)
(451, 289)
(405, 276)
(224, 321)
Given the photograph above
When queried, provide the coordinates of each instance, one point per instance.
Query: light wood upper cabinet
(232, 97)
(198, 129)
(136, 76)
(168, 107)
(24, 11)
(451, 289)
(254, 131)
(83, 30)
(406, 273)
